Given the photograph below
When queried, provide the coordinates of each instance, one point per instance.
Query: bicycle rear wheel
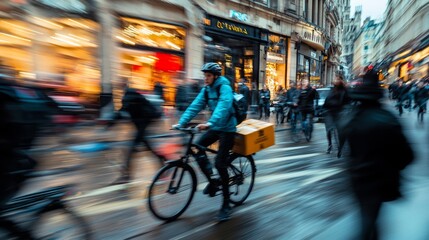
(241, 173)
(60, 223)
(172, 191)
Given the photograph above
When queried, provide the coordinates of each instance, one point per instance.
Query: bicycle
(281, 112)
(178, 177)
(42, 215)
(306, 127)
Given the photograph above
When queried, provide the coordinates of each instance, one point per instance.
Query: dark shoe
(329, 149)
(211, 188)
(123, 179)
(224, 213)
(339, 154)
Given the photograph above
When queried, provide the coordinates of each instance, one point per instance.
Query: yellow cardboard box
(253, 136)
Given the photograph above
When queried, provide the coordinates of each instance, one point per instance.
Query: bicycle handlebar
(189, 130)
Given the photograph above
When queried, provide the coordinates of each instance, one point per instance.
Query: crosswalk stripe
(277, 177)
(282, 159)
(314, 176)
(271, 150)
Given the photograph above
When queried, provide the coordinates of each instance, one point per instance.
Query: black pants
(331, 125)
(369, 206)
(226, 142)
(140, 137)
(264, 108)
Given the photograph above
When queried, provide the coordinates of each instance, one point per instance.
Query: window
(274, 4)
(305, 7)
(265, 2)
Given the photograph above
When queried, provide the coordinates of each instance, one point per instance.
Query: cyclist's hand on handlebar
(204, 126)
(176, 126)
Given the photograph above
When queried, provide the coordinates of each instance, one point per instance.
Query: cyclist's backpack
(239, 104)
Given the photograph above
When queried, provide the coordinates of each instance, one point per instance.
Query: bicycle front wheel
(61, 223)
(172, 191)
(241, 173)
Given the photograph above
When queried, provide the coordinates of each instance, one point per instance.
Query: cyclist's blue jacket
(222, 118)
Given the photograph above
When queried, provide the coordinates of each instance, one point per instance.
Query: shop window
(151, 34)
(54, 51)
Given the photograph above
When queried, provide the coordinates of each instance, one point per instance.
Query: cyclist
(306, 104)
(221, 126)
(292, 101)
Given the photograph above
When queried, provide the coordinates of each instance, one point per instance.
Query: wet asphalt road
(300, 193)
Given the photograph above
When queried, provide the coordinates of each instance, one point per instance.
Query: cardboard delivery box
(253, 136)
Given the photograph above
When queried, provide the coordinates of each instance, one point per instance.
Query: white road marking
(282, 159)
(109, 189)
(283, 149)
(314, 176)
(320, 174)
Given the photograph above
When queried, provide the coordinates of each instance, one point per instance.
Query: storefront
(309, 57)
(55, 46)
(309, 65)
(276, 62)
(237, 48)
(151, 53)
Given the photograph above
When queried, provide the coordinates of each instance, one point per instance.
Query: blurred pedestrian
(159, 90)
(244, 90)
(264, 102)
(142, 114)
(292, 96)
(306, 102)
(401, 92)
(378, 152)
(421, 96)
(334, 103)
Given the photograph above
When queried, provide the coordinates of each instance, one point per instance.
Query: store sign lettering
(312, 37)
(231, 27)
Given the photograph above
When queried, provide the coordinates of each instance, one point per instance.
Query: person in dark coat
(245, 91)
(306, 100)
(333, 105)
(264, 102)
(159, 90)
(379, 151)
(142, 114)
(421, 96)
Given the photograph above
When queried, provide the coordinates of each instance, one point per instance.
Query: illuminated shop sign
(223, 25)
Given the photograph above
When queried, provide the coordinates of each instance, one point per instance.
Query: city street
(300, 191)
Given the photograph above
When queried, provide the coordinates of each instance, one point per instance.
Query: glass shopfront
(276, 63)
(309, 65)
(236, 47)
(151, 53)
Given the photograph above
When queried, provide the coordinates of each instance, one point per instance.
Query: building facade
(364, 46)
(406, 40)
(351, 27)
(92, 45)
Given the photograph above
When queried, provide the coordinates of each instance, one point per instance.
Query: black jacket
(139, 108)
(306, 99)
(292, 95)
(336, 99)
(264, 96)
(421, 96)
(378, 151)
(243, 89)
